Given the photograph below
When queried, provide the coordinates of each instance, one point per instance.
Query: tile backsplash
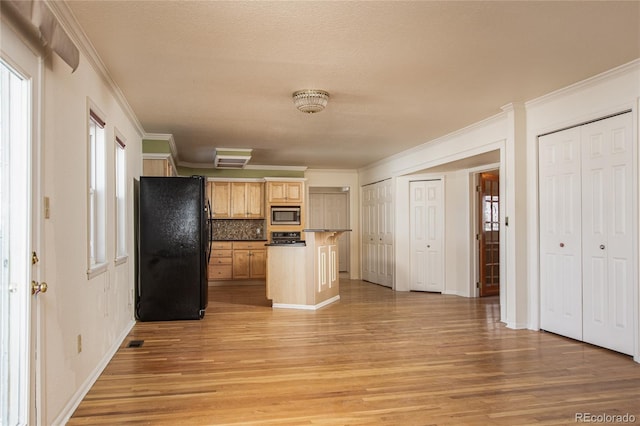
(238, 229)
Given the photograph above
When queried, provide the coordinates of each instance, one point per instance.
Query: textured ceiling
(221, 74)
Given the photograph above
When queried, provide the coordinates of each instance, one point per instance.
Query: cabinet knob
(601, 246)
(561, 244)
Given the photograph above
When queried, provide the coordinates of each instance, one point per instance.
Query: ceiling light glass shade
(310, 101)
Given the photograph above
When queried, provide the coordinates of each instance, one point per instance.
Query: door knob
(37, 287)
(601, 246)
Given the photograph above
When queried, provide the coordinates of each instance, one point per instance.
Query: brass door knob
(37, 287)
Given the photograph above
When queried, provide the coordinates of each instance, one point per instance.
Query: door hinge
(478, 188)
(478, 284)
(478, 237)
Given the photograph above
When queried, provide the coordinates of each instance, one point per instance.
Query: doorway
(329, 209)
(20, 73)
(488, 233)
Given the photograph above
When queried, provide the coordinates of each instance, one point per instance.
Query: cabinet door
(255, 200)
(285, 192)
(294, 192)
(241, 264)
(277, 192)
(156, 167)
(238, 200)
(258, 263)
(221, 198)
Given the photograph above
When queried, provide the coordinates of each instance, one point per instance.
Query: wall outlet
(79, 343)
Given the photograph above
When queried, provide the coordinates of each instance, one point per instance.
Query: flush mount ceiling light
(310, 101)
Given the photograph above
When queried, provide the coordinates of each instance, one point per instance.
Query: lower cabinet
(238, 260)
(220, 263)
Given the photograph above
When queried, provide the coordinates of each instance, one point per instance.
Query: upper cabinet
(220, 197)
(285, 192)
(237, 200)
(247, 200)
(157, 167)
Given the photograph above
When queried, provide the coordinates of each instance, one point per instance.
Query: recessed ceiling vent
(227, 158)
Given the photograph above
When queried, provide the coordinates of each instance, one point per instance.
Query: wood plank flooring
(376, 357)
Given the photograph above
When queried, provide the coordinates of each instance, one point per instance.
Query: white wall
(98, 309)
(343, 178)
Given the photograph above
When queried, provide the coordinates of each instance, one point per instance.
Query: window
(121, 201)
(96, 195)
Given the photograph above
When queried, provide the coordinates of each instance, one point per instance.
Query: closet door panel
(560, 233)
(608, 283)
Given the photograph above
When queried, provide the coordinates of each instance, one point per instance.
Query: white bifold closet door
(586, 227)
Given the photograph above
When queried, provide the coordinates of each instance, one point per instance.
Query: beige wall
(98, 309)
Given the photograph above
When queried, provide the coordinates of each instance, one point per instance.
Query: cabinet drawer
(249, 245)
(220, 272)
(220, 253)
(221, 245)
(220, 260)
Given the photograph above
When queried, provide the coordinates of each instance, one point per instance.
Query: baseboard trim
(306, 307)
(82, 391)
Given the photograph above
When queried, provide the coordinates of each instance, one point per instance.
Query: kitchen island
(305, 277)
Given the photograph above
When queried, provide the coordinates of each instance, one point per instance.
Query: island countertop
(326, 230)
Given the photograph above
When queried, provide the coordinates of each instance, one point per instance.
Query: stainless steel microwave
(285, 215)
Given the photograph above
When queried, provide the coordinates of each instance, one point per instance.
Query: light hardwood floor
(374, 357)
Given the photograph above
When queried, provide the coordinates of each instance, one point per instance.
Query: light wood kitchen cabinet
(220, 197)
(157, 167)
(249, 260)
(221, 261)
(285, 192)
(247, 200)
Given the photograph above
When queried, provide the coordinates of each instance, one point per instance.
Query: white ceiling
(221, 74)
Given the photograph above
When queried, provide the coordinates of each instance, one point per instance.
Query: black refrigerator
(173, 248)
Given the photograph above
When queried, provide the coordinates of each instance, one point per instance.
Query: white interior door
(369, 222)
(426, 225)
(560, 233)
(384, 237)
(19, 69)
(607, 244)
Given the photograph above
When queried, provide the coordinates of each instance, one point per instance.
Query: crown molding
(247, 167)
(633, 66)
(167, 137)
(442, 139)
(68, 21)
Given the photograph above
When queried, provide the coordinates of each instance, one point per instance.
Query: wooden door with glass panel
(489, 233)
